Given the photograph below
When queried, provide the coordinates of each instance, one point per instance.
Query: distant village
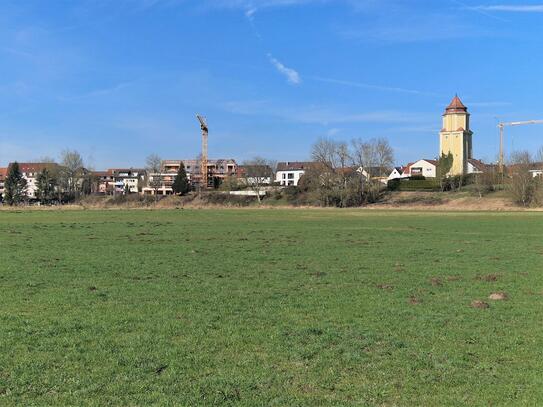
(456, 140)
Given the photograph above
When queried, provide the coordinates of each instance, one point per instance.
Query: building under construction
(215, 169)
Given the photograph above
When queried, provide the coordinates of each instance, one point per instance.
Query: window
(290, 175)
(284, 176)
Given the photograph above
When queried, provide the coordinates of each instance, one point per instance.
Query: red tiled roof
(434, 162)
(101, 173)
(3, 173)
(407, 168)
(478, 164)
(34, 167)
(456, 106)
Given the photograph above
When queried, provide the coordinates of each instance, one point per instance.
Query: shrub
(419, 185)
(394, 184)
(292, 194)
(217, 198)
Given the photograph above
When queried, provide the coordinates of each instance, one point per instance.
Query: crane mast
(502, 126)
(203, 164)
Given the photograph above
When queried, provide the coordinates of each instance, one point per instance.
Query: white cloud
(370, 86)
(292, 76)
(321, 114)
(333, 132)
(97, 92)
(410, 28)
(513, 8)
(489, 104)
(250, 12)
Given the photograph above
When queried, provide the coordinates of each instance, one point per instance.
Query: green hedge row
(414, 185)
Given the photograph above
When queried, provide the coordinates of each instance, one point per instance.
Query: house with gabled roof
(425, 167)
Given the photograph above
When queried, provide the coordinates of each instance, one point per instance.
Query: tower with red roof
(456, 137)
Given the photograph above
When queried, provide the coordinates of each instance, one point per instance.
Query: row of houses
(139, 180)
(133, 180)
(428, 168)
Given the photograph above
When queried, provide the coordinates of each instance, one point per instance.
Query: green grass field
(270, 308)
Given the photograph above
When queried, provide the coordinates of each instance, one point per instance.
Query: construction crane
(502, 126)
(203, 163)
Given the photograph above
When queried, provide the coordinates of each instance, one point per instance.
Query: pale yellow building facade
(456, 137)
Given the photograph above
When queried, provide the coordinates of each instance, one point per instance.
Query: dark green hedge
(413, 185)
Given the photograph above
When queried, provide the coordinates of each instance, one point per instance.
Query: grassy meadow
(270, 308)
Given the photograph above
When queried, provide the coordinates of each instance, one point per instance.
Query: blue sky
(120, 79)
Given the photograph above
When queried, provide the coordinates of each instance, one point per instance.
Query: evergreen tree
(181, 184)
(444, 165)
(14, 186)
(46, 184)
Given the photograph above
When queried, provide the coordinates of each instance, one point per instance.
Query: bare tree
(486, 181)
(384, 155)
(364, 155)
(44, 159)
(523, 184)
(258, 174)
(153, 165)
(324, 151)
(539, 158)
(71, 172)
(375, 156)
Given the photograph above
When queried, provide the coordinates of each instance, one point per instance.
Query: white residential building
(397, 173)
(289, 173)
(3, 175)
(30, 172)
(425, 168)
(127, 179)
(477, 166)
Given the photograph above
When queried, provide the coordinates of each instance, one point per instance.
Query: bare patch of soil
(488, 278)
(479, 304)
(436, 282)
(414, 300)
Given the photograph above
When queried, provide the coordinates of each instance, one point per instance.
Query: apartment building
(3, 175)
(119, 180)
(219, 168)
(128, 179)
(105, 183)
(161, 183)
(254, 174)
(30, 172)
(289, 173)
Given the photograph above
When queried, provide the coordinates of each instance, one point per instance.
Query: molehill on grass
(500, 296)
